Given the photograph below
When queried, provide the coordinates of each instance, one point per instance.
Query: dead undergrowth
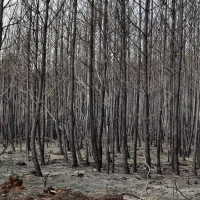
(61, 181)
(13, 189)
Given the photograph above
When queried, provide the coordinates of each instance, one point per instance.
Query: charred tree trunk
(124, 89)
(40, 93)
(72, 142)
(91, 92)
(146, 87)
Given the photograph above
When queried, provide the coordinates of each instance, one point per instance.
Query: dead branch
(177, 190)
(8, 145)
(132, 195)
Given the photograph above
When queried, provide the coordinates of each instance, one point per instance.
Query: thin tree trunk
(91, 92)
(147, 103)
(177, 77)
(72, 143)
(196, 131)
(124, 89)
(1, 22)
(40, 93)
(138, 93)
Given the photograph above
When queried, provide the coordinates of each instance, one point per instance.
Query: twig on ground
(177, 190)
(147, 182)
(35, 187)
(132, 195)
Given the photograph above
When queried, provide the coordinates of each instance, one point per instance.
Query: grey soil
(133, 186)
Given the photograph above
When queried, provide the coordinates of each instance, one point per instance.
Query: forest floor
(63, 179)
